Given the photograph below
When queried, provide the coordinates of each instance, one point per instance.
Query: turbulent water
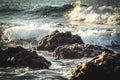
(25, 22)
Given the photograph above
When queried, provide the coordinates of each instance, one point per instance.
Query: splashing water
(95, 14)
(38, 18)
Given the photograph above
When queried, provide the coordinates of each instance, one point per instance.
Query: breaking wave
(100, 37)
(101, 14)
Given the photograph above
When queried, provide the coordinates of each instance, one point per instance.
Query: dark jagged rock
(105, 66)
(77, 51)
(55, 39)
(20, 57)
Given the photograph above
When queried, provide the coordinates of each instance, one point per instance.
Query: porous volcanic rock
(105, 66)
(20, 57)
(56, 38)
(77, 51)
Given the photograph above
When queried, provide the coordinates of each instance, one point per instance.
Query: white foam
(95, 14)
(90, 34)
(25, 32)
(100, 37)
(31, 31)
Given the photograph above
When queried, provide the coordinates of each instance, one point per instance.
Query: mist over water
(25, 22)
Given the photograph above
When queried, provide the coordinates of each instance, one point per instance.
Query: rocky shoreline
(66, 46)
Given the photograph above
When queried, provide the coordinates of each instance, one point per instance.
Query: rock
(20, 57)
(105, 66)
(77, 51)
(55, 39)
(0, 49)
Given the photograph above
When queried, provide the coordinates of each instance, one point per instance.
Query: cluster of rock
(77, 51)
(20, 57)
(68, 46)
(55, 39)
(105, 66)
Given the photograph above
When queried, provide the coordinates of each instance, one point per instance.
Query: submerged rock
(55, 39)
(20, 57)
(77, 51)
(105, 66)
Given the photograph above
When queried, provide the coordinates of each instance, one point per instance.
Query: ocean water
(25, 22)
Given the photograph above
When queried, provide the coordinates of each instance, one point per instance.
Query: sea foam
(24, 32)
(100, 37)
(95, 14)
(32, 31)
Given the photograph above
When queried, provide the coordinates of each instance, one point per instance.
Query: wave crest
(95, 14)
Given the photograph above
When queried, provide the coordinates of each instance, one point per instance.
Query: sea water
(25, 22)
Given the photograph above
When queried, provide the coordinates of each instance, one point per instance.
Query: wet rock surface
(105, 66)
(77, 51)
(20, 57)
(56, 38)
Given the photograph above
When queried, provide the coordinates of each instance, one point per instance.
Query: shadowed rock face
(55, 39)
(77, 51)
(105, 66)
(20, 57)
